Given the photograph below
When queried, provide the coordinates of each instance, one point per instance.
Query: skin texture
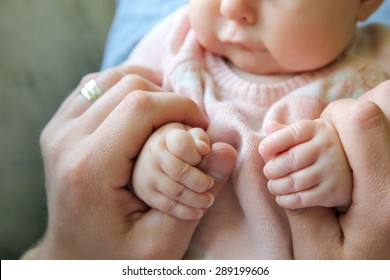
(89, 152)
(88, 208)
(306, 165)
(243, 32)
(271, 37)
(89, 162)
(363, 231)
(166, 176)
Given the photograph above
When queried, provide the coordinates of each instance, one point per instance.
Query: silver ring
(91, 91)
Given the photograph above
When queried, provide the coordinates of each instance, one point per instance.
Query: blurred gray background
(46, 46)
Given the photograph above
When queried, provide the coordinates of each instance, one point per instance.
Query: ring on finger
(91, 91)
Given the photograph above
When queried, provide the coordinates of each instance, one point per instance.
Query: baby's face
(275, 36)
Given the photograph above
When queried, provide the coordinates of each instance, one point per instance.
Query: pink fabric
(245, 222)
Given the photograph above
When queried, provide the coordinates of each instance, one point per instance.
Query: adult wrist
(47, 249)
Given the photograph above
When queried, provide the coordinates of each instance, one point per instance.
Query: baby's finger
(176, 209)
(323, 194)
(182, 144)
(273, 126)
(201, 140)
(307, 198)
(185, 173)
(297, 181)
(184, 195)
(287, 138)
(293, 160)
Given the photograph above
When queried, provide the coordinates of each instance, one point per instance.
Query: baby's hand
(165, 176)
(306, 165)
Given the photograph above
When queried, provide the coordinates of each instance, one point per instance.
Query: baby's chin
(258, 68)
(272, 67)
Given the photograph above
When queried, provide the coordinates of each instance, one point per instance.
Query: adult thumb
(364, 130)
(219, 164)
(315, 233)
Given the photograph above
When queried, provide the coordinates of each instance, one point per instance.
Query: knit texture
(245, 222)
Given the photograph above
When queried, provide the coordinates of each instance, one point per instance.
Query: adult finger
(133, 121)
(78, 119)
(366, 141)
(380, 96)
(363, 231)
(219, 164)
(103, 107)
(76, 104)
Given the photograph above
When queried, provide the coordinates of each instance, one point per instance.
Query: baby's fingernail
(262, 148)
(211, 184)
(212, 199)
(270, 187)
(263, 152)
(277, 199)
(203, 147)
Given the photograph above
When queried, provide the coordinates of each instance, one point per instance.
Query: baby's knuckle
(291, 160)
(179, 192)
(292, 182)
(328, 144)
(182, 173)
(302, 126)
(323, 124)
(299, 200)
(306, 124)
(172, 207)
(178, 142)
(201, 134)
(295, 131)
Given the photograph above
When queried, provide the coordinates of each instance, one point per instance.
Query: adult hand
(89, 152)
(363, 231)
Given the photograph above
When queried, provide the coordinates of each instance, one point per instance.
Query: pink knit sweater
(245, 222)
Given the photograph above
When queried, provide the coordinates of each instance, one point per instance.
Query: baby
(263, 71)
